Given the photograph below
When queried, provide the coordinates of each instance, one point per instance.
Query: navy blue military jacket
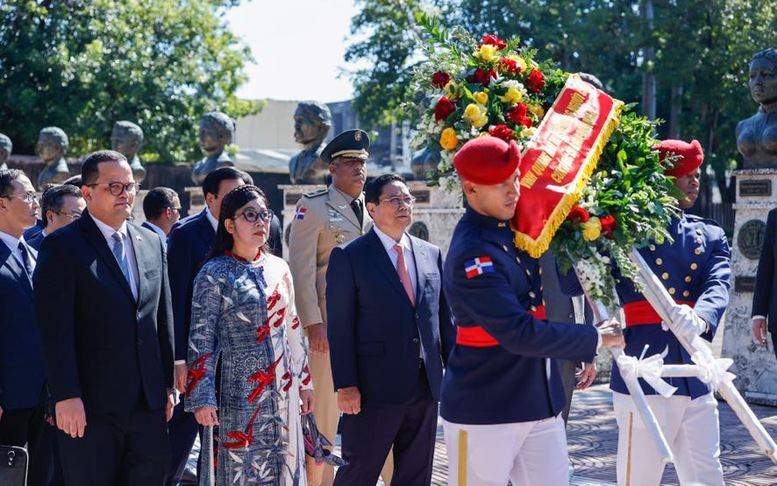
(695, 269)
(489, 283)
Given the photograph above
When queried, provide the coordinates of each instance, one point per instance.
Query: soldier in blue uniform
(502, 394)
(695, 269)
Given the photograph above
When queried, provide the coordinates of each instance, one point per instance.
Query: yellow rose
(476, 114)
(481, 97)
(528, 132)
(592, 229)
(448, 139)
(453, 91)
(537, 110)
(512, 96)
(487, 52)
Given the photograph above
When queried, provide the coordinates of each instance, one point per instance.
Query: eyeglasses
(73, 216)
(117, 188)
(395, 201)
(27, 197)
(174, 209)
(252, 216)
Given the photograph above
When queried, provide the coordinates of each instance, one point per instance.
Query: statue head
(126, 138)
(216, 131)
(312, 121)
(763, 76)
(6, 146)
(52, 144)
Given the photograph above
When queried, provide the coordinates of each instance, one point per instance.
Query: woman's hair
(234, 200)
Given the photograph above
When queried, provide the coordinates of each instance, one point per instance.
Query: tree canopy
(701, 55)
(82, 65)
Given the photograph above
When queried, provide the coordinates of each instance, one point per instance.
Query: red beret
(689, 156)
(487, 160)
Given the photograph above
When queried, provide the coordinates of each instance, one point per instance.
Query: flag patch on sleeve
(478, 266)
(300, 213)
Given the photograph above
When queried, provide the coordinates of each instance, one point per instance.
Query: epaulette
(696, 218)
(317, 193)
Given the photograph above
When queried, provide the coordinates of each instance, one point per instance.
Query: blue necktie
(121, 257)
(26, 262)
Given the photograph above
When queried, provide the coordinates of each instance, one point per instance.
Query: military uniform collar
(488, 221)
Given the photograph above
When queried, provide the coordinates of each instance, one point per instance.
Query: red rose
(536, 81)
(481, 76)
(518, 115)
(510, 66)
(440, 79)
(608, 225)
(493, 40)
(578, 215)
(502, 131)
(444, 108)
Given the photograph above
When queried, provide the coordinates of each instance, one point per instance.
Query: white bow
(649, 369)
(713, 371)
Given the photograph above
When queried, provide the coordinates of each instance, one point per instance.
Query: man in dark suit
(188, 245)
(390, 334)
(764, 301)
(106, 331)
(162, 209)
(60, 206)
(21, 368)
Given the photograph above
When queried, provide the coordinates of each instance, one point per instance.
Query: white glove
(686, 322)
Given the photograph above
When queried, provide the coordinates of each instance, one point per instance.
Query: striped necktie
(121, 256)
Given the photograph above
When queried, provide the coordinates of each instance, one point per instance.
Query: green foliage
(84, 64)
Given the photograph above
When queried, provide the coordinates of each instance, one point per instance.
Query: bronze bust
(127, 138)
(312, 121)
(5, 150)
(52, 146)
(216, 131)
(757, 135)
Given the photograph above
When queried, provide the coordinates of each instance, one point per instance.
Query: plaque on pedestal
(196, 199)
(754, 365)
(137, 210)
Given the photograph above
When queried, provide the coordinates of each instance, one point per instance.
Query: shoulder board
(698, 219)
(317, 193)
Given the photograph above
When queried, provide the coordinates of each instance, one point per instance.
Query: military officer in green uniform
(325, 219)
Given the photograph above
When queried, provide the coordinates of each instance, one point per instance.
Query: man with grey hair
(216, 131)
(52, 146)
(312, 121)
(6, 146)
(127, 138)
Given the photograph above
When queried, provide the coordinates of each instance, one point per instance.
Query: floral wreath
(495, 87)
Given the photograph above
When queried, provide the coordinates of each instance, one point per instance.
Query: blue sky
(298, 46)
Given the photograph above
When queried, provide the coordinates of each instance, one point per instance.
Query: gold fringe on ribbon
(536, 247)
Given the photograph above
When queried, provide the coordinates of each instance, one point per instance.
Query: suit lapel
(421, 257)
(97, 240)
(337, 201)
(383, 262)
(207, 234)
(9, 260)
(143, 254)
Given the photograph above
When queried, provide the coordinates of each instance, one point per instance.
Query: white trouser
(526, 453)
(691, 430)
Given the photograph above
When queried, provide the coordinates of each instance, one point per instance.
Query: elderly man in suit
(325, 219)
(106, 331)
(60, 205)
(21, 368)
(390, 333)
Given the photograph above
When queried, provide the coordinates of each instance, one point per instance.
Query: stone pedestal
(137, 209)
(196, 200)
(754, 365)
(434, 216)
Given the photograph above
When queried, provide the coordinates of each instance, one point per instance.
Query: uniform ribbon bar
(560, 159)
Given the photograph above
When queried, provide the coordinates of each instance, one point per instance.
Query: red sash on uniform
(641, 312)
(478, 337)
